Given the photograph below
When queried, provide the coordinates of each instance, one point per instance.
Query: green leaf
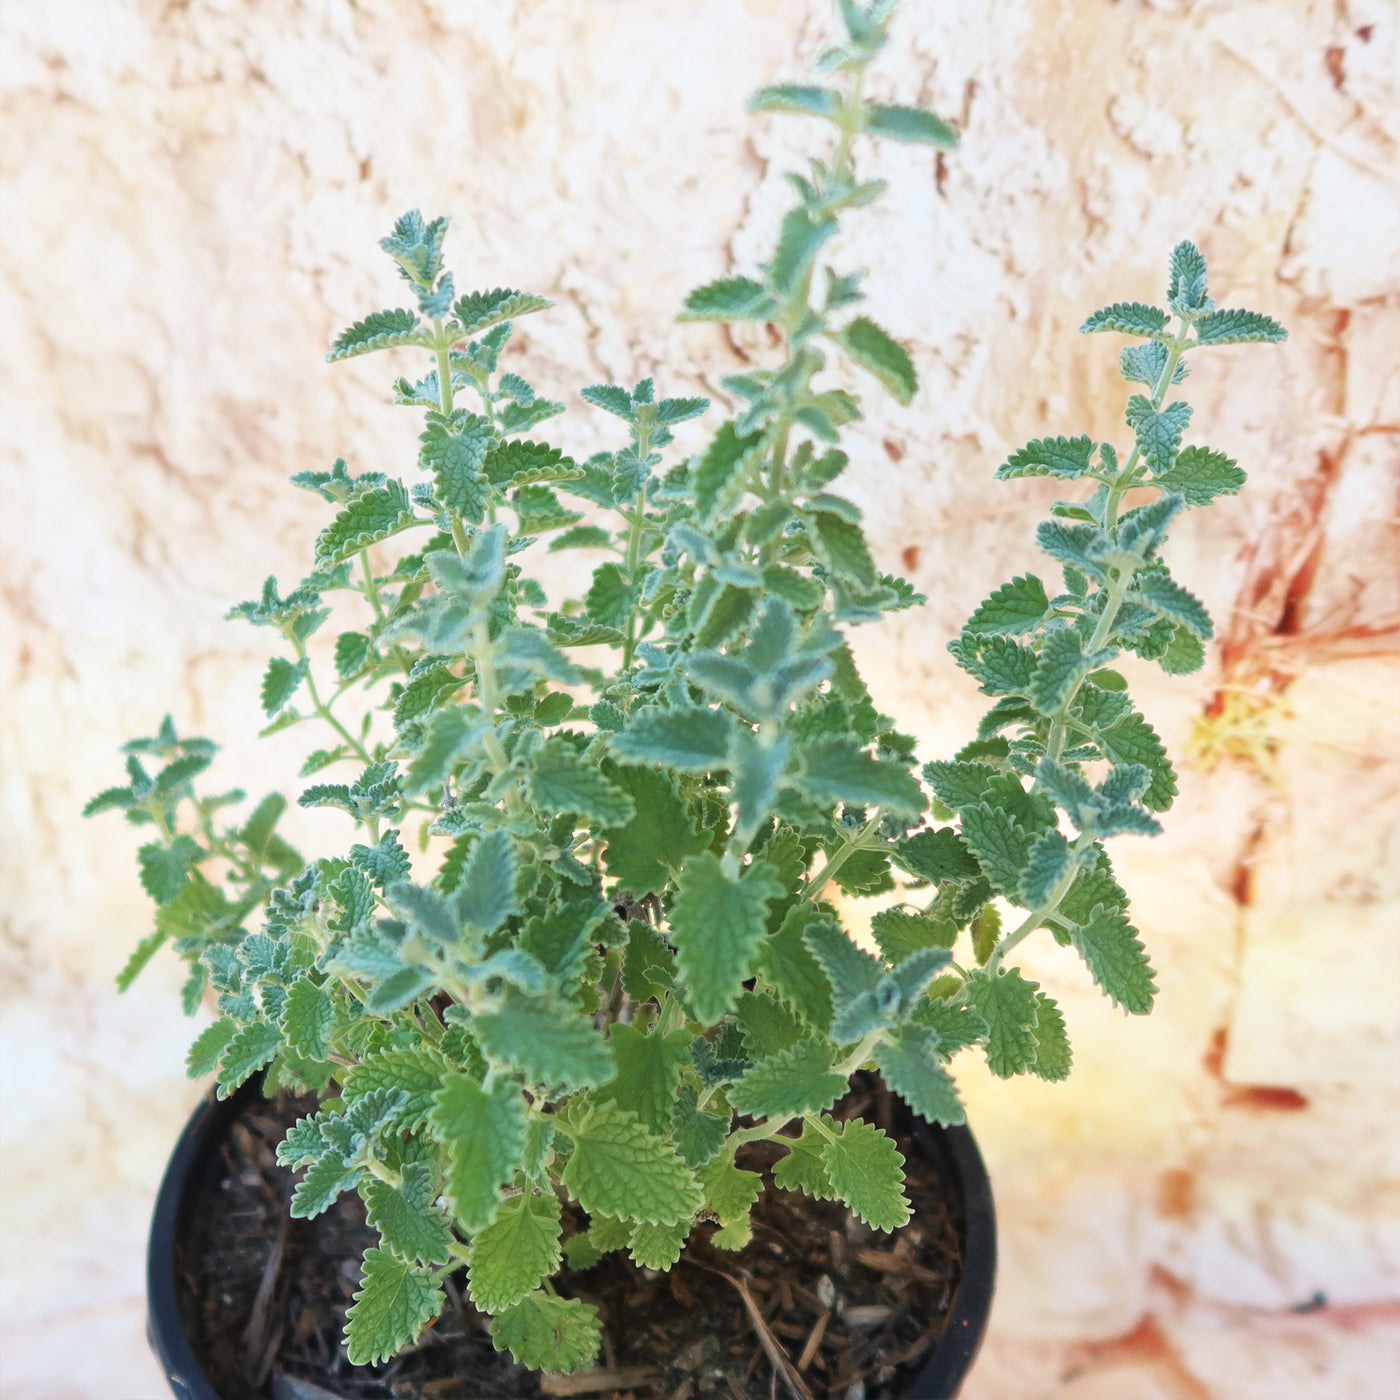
(1061, 665)
(1053, 1056)
(935, 855)
(658, 1246)
(371, 516)
(1017, 606)
(875, 350)
(1145, 364)
(611, 398)
(849, 970)
(385, 862)
(716, 924)
(478, 311)
(109, 799)
(1003, 666)
(1000, 844)
(690, 739)
(986, 930)
(395, 1302)
(729, 1192)
(866, 1171)
(1200, 475)
(485, 897)
(647, 964)
(843, 548)
(308, 1016)
(352, 654)
(1076, 545)
(1235, 327)
(1132, 740)
(1158, 431)
(553, 708)
(1047, 863)
(247, 1051)
(799, 99)
(793, 1081)
(836, 769)
(1186, 289)
(582, 537)
(729, 299)
(865, 872)
(610, 597)
(521, 462)
(955, 1025)
(767, 1024)
(418, 1073)
(788, 966)
(484, 1132)
(515, 1251)
(416, 245)
(454, 454)
(719, 463)
(561, 780)
(1168, 598)
(1127, 317)
(909, 124)
(618, 1168)
(698, 1134)
(1057, 456)
(1110, 947)
(804, 1168)
(325, 1181)
(530, 655)
(281, 681)
(900, 932)
(549, 1334)
(380, 330)
(406, 1217)
(1007, 1003)
(648, 1073)
(425, 692)
(209, 1044)
(164, 869)
(680, 410)
(909, 1065)
(799, 242)
(645, 855)
(546, 1041)
(1184, 654)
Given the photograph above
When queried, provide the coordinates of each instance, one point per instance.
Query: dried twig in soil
(778, 1358)
(600, 1378)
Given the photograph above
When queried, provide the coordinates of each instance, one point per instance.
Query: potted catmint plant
(573, 1000)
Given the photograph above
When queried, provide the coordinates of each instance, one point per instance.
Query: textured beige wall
(191, 192)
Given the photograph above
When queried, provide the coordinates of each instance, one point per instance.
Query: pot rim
(941, 1378)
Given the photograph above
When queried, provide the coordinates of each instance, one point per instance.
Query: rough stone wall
(191, 194)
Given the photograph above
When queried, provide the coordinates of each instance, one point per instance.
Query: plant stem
(371, 588)
(1118, 589)
(848, 847)
(384, 1172)
(1038, 915)
(444, 368)
(324, 711)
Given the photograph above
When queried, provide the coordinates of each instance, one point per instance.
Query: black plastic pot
(196, 1160)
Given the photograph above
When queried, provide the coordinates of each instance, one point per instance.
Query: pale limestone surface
(190, 197)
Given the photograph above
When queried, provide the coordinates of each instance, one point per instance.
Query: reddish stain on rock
(1144, 1344)
(1176, 1194)
(1214, 1058)
(1271, 1098)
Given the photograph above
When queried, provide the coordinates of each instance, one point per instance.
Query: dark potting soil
(855, 1311)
